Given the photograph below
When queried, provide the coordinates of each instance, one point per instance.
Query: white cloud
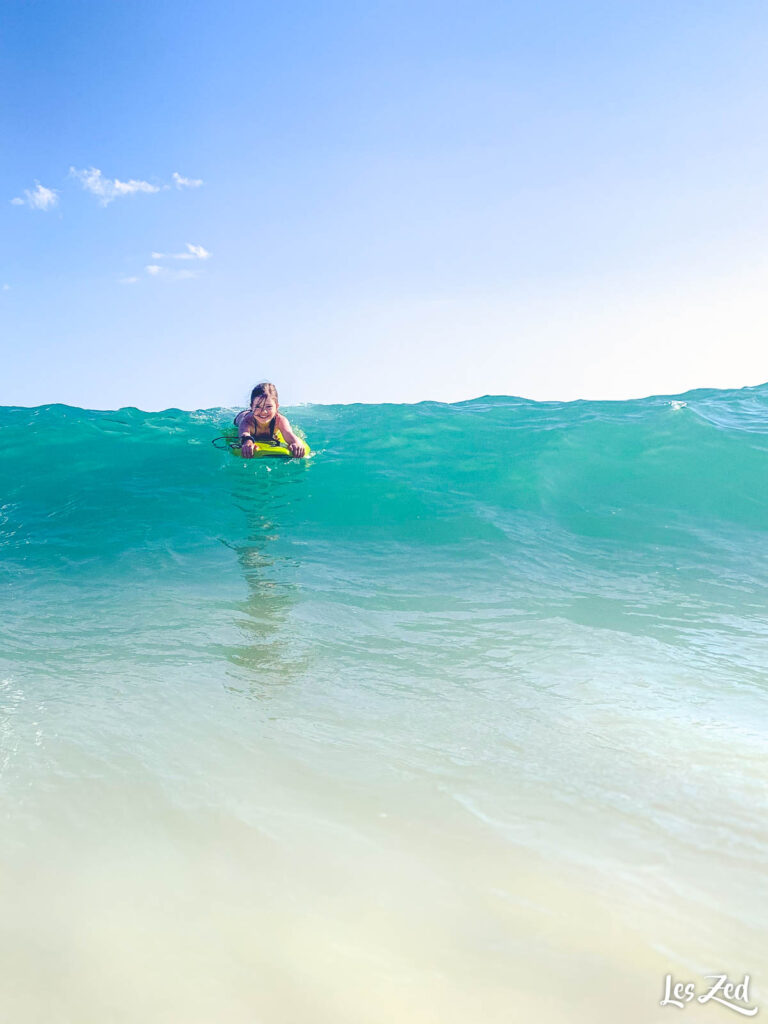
(108, 189)
(198, 252)
(128, 280)
(6, 287)
(37, 198)
(194, 252)
(181, 182)
(166, 274)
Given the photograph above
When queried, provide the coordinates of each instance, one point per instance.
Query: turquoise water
(461, 719)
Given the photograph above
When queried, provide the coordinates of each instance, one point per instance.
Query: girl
(263, 419)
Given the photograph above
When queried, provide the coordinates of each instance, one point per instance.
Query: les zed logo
(723, 991)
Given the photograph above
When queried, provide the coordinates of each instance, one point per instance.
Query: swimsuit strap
(272, 424)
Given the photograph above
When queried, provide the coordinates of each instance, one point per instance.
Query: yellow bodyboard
(263, 448)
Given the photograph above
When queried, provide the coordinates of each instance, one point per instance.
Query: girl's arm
(244, 424)
(294, 443)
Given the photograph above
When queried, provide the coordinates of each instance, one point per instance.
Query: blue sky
(381, 201)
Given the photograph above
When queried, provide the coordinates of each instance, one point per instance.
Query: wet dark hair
(264, 390)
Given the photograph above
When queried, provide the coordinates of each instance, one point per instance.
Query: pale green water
(461, 720)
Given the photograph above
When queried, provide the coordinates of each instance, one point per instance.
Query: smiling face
(264, 409)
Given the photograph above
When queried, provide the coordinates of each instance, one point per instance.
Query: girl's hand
(246, 447)
(298, 450)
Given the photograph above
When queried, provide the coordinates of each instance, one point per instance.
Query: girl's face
(264, 409)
